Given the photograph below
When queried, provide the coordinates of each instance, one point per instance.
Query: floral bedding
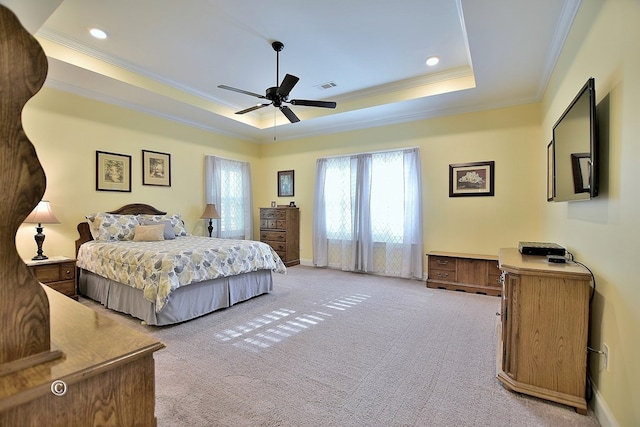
(158, 268)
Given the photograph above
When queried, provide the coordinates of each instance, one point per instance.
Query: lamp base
(39, 238)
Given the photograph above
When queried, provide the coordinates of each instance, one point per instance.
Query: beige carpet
(329, 348)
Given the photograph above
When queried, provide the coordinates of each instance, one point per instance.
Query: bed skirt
(186, 303)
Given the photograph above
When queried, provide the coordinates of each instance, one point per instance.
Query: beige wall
(604, 233)
(67, 130)
(462, 224)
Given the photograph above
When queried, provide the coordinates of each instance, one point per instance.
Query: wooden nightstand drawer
(58, 273)
(46, 273)
(68, 287)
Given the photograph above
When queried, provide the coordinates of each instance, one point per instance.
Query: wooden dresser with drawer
(464, 272)
(280, 228)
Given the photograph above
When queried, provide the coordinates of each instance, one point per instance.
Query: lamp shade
(42, 214)
(210, 212)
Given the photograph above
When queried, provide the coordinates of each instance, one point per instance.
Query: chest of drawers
(280, 229)
(464, 272)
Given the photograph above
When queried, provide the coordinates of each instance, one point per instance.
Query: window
(368, 213)
(228, 185)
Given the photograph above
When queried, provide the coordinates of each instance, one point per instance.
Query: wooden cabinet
(280, 228)
(464, 272)
(106, 377)
(58, 273)
(545, 323)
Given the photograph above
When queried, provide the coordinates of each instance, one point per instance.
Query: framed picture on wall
(471, 179)
(285, 184)
(113, 172)
(156, 168)
(550, 172)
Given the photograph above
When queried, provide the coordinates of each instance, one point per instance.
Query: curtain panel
(228, 186)
(368, 213)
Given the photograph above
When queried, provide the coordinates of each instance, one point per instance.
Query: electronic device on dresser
(541, 248)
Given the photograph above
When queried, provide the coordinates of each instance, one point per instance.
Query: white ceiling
(167, 58)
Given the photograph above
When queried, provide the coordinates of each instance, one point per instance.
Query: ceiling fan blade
(308, 103)
(241, 91)
(290, 114)
(288, 83)
(255, 107)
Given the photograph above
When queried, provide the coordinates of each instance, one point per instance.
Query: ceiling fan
(279, 94)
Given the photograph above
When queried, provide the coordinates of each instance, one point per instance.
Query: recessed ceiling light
(98, 33)
(432, 60)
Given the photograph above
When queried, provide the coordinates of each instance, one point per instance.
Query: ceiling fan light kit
(279, 94)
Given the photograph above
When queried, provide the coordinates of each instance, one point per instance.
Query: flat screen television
(575, 148)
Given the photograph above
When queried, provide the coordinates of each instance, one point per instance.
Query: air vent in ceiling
(325, 86)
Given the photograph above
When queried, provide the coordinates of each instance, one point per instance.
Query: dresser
(280, 228)
(58, 273)
(464, 272)
(106, 375)
(542, 350)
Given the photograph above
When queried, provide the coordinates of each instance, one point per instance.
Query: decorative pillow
(176, 222)
(94, 223)
(107, 227)
(148, 233)
(168, 228)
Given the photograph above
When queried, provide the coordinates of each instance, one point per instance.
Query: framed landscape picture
(156, 168)
(113, 172)
(471, 179)
(285, 183)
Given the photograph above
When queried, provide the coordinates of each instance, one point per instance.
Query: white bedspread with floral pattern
(159, 268)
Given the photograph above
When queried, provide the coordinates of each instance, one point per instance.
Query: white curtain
(228, 186)
(368, 213)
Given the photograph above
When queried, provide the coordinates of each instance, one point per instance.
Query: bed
(141, 261)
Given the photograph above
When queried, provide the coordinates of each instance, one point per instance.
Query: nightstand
(56, 272)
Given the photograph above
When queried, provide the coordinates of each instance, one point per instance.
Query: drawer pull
(443, 275)
(442, 262)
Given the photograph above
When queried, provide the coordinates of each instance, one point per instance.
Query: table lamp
(210, 213)
(41, 214)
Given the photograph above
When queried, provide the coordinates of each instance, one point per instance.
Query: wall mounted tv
(575, 148)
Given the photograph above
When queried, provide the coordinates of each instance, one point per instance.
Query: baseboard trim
(601, 410)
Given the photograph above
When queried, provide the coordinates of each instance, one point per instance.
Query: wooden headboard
(131, 209)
